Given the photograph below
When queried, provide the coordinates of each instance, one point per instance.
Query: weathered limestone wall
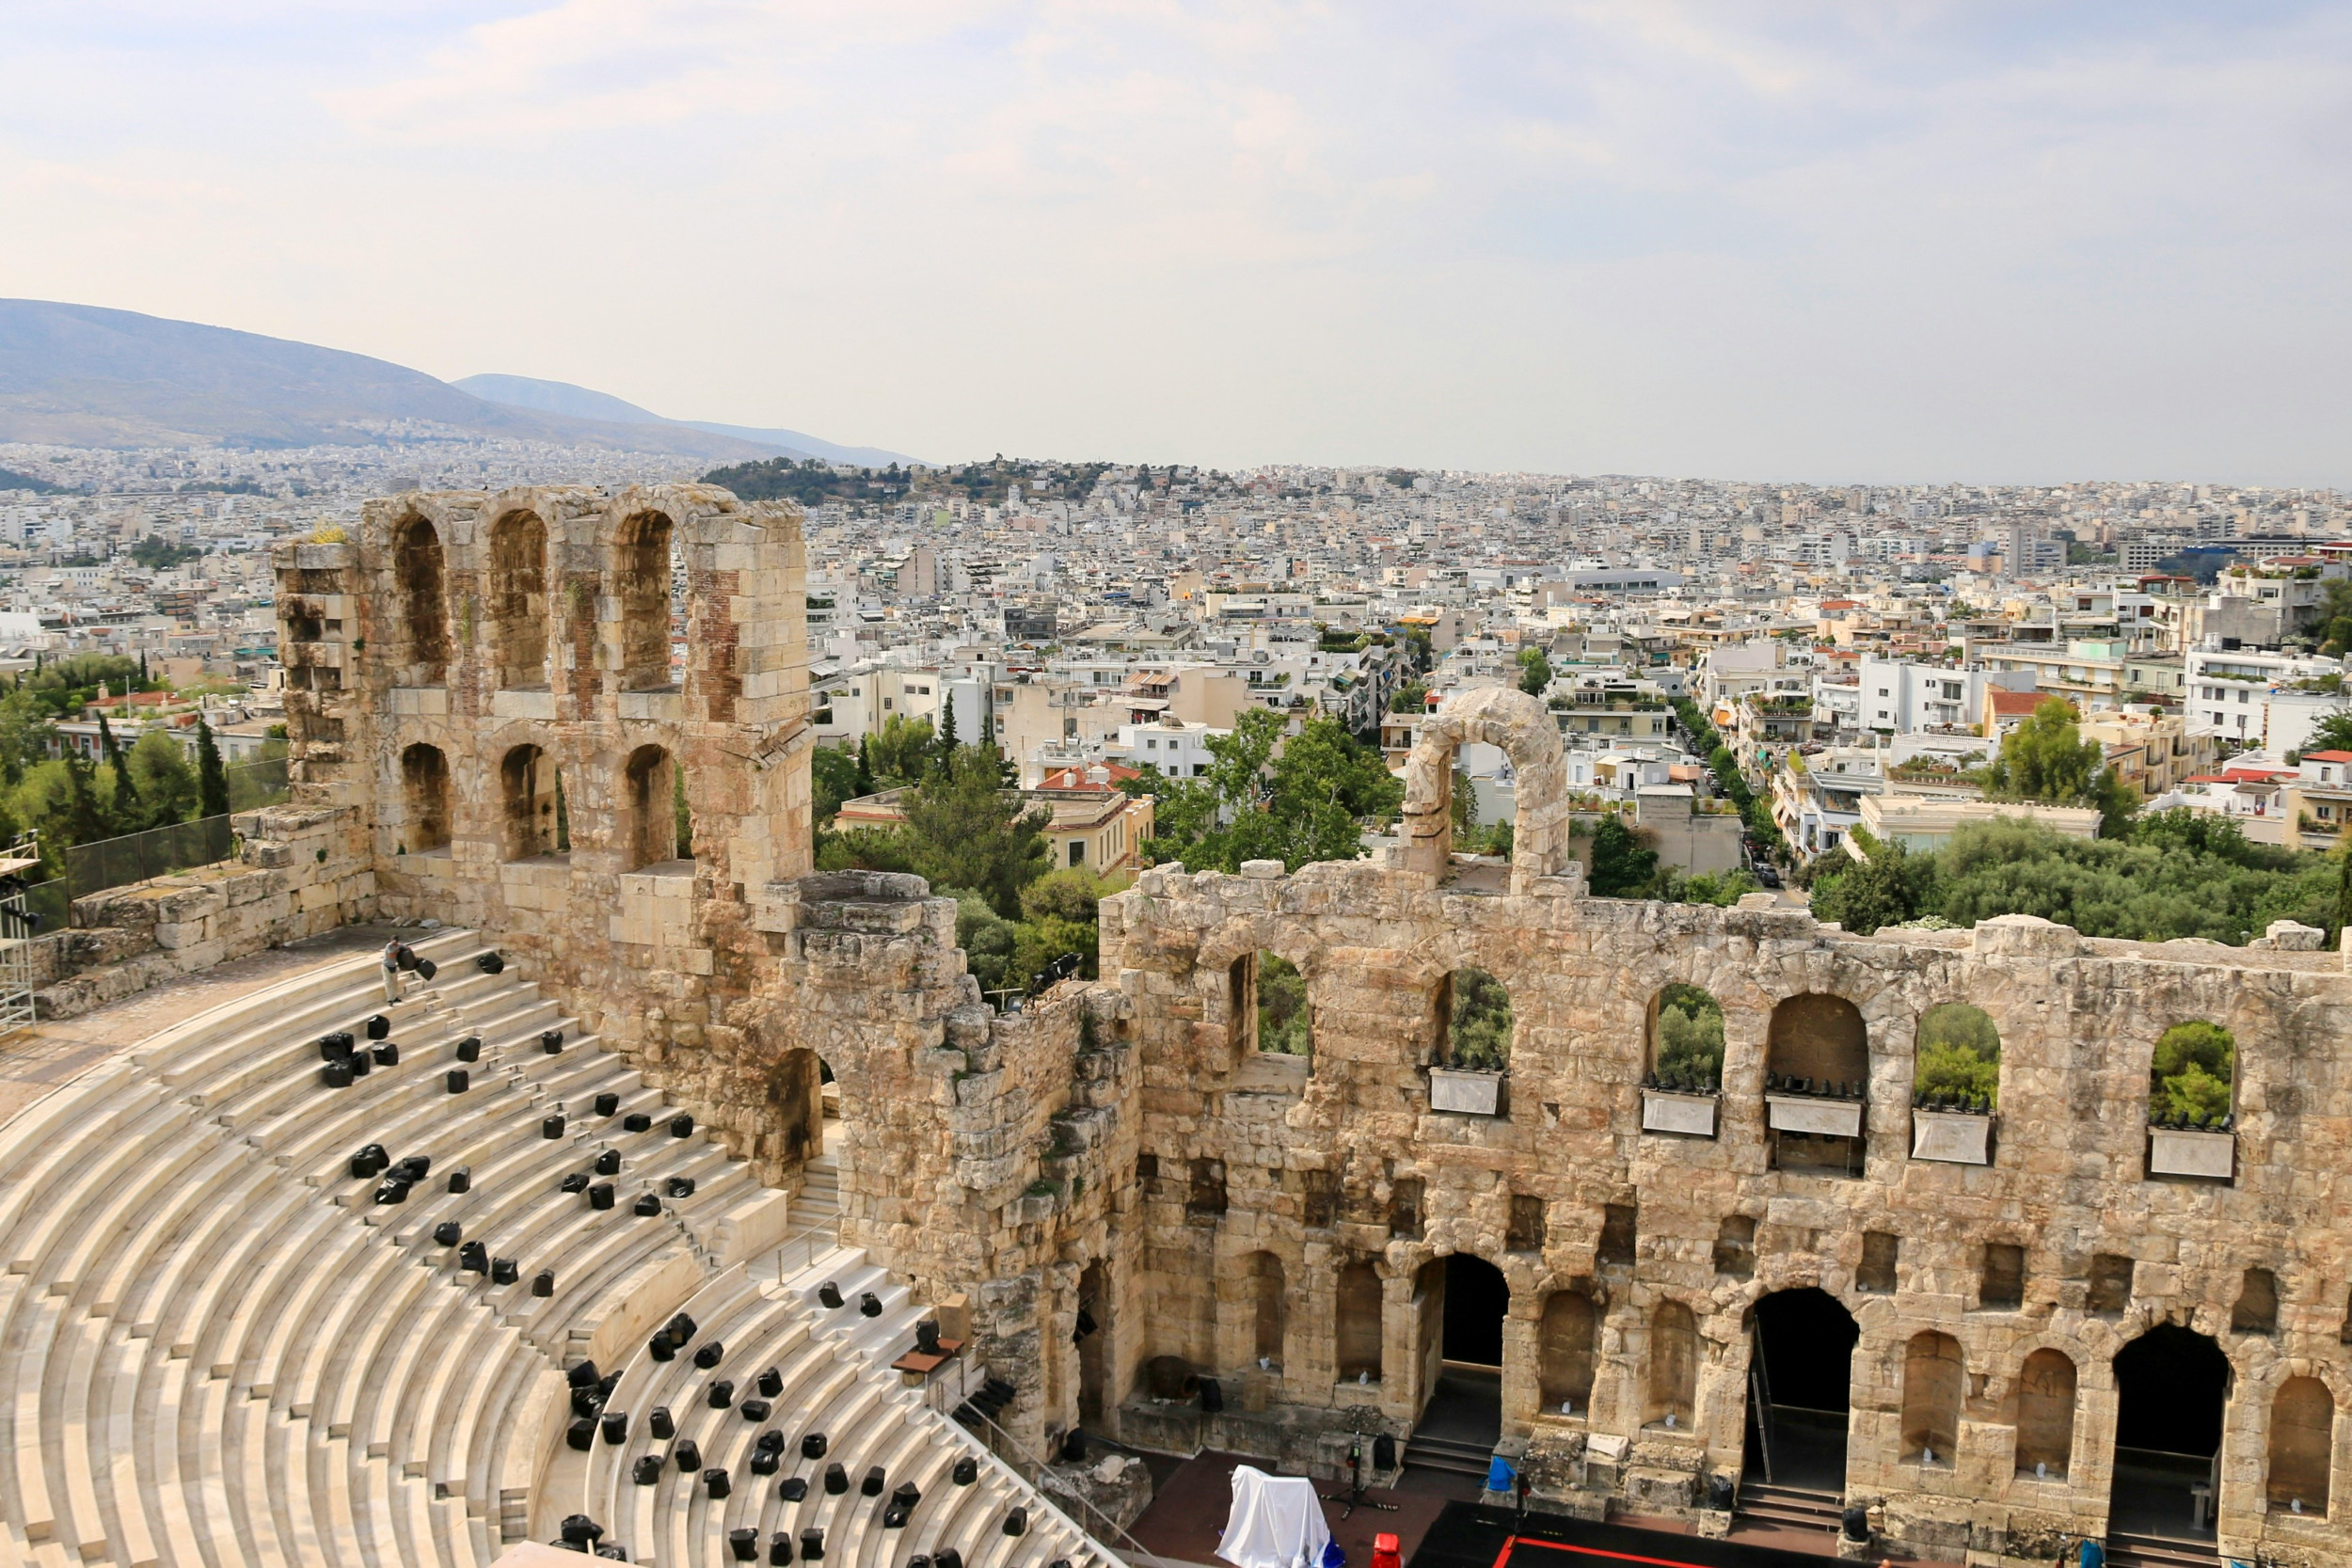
(979, 1153)
(2078, 1020)
(518, 643)
(297, 872)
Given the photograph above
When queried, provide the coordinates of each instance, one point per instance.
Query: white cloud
(1884, 240)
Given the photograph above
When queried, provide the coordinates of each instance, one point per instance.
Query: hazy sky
(1773, 239)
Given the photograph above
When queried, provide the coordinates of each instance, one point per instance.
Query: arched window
(1817, 1061)
(1686, 1039)
(1933, 1372)
(424, 789)
(527, 790)
(2045, 1415)
(2302, 1446)
(1475, 1012)
(1285, 1025)
(797, 1090)
(1269, 1309)
(2190, 1075)
(1563, 1371)
(648, 825)
(518, 600)
(423, 602)
(644, 591)
(1674, 1367)
(1359, 1331)
(1956, 1059)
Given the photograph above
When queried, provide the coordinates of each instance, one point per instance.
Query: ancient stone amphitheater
(1690, 1212)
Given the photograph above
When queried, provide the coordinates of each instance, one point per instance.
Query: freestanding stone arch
(1522, 727)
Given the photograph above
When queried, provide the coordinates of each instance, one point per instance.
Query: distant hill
(562, 397)
(11, 479)
(83, 375)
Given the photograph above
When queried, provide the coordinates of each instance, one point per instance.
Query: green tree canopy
(832, 778)
(900, 752)
(1622, 866)
(1478, 1026)
(2045, 759)
(966, 830)
(2175, 874)
(1957, 1056)
(1282, 1019)
(1689, 1044)
(2190, 1073)
(1535, 671)
(1302, 806)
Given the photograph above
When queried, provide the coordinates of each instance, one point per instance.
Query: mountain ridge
(564, 397)
(90, 375)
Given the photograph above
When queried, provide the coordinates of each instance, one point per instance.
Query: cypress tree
(945, 746)
(865, 771)
(84, 823)
(211, 779)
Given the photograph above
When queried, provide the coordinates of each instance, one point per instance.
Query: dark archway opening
(1094, 1371)
(2170, 1387)
(1466, 1398)
(1799, 1391)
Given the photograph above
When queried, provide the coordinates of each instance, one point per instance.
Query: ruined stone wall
(977, 1152)
(457, 632)
(1115, 1157)
(1309, 1164)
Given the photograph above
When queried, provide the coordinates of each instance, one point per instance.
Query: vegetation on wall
(1478, 1026)
(2190, 1073)
(1690, 1039)
(1282, 1021)
(1957, 1057)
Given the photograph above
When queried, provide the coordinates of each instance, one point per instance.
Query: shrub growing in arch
(1687, 1050)
(1282, 1019)
(2191, 1074)
(1957, 1057)
(1478, 1021)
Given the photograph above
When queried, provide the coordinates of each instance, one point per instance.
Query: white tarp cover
(1277, 1522)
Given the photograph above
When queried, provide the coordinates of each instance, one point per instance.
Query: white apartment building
(1898, 696)
(2248, 696)
(1177, 748)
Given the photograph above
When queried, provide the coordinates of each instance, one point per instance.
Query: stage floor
(1466, 1535)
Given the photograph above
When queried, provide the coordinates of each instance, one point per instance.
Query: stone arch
(1817, 1075)
(517, 600)
(641, 585)
(2045, 1413)
(1473, 1018)
(1565, 1336)
(1935, 1374)
(527, 802)
(2302, 1446)
(2192, 1074)
(647, 824)
(1269, 1305)
(421, 574)
(796, 1093)
(1956, 1058)
(1097, 1398)
(1523, 729)
(1671, 1393)
(1359, 1326)
(1684, 1038)
(424, 792)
